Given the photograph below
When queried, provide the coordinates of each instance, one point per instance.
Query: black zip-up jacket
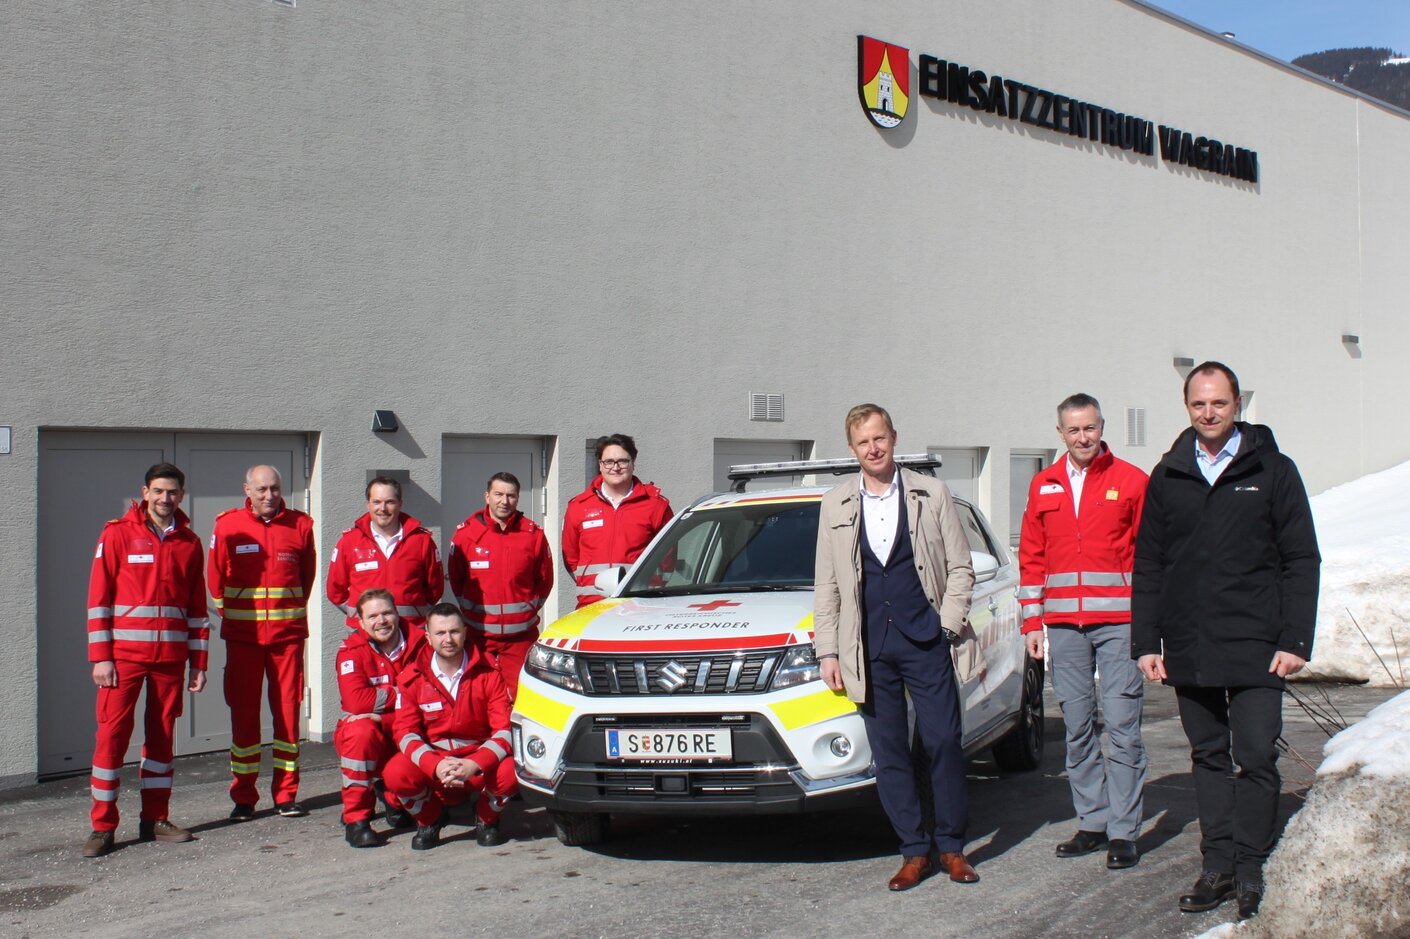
(1225, 575)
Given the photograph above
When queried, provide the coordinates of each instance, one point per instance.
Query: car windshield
(735, 548)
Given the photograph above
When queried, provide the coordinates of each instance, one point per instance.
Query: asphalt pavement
(764, 876)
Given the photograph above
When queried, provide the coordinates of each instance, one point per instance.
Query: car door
(995, 695)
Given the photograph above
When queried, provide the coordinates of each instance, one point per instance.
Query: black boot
(361, 835)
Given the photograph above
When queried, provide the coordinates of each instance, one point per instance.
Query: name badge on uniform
(1049, 489)
(479, 565)
(365, 566)
(1113, 494)
(431, 706)
(141, 558)
(247, 549)
(593, 523)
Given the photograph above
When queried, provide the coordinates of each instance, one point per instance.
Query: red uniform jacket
(1075, 567)
(261, 574)
(367, 679)
(500, 578)
(146, 594)
(413, 572)
(597, 537)
(430, 725)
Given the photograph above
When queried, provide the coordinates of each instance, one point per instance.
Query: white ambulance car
(692, 689)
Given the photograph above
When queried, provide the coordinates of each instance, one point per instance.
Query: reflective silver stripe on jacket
(100, 612)
(421, 611)
(149, 635)
(380, 701)
(1030, 593)
(197, 645)
(1087, 579)
(503, 629)
(150, 612)
(455, 743)
(414, 747)
(362, 766)
(101, 635)
(1087, 604)
(499, 744)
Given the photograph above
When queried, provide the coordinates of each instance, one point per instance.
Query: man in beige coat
(893, 587)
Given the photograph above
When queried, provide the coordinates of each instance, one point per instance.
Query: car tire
(1021, 749)
(579, 829)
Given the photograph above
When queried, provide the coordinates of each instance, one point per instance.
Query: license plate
(647, 743)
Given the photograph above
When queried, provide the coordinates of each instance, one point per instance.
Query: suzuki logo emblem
(671, 676)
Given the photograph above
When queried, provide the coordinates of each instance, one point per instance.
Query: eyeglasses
(614, 464)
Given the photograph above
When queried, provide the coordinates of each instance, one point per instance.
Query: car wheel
(578, 829)
(1021, 749)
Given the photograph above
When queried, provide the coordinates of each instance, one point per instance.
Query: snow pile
(1363, 530)
(1342, 867)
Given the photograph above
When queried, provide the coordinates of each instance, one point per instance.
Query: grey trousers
(1106, 790)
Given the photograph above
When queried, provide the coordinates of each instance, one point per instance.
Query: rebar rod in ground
(1321, 719)
(1389, 674)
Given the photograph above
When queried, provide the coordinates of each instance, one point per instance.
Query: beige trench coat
(942, 562)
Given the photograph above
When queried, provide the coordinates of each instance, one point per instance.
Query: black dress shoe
(1121, 854)
(1212, 889)
(1084, 842)
(291, 809)
(361, 835)
(1250, 896)
(426, 837)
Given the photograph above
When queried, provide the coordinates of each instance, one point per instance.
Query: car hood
(700, 623)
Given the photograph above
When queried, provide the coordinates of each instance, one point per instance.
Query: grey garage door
(86, 478)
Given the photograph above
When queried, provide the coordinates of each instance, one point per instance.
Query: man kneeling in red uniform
(369, 662)
(452, 731)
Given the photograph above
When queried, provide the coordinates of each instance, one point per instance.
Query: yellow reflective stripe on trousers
(263, 593)
(261, 616)
(291, 766)
(244, 751)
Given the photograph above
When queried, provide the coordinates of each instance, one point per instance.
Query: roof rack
(741, 473)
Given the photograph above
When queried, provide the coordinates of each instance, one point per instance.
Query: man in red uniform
(613, 520)
(501, 572)
(261, 571)
(146, 619)
(368, 664)
(1075, 557)
(452, 731)
(386, 548)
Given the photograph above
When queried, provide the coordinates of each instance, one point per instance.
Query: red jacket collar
(250, 507)
(1099, 463)
(408, 524)
(138, 514)
(640, 490)
(415, 643)
(483, 520)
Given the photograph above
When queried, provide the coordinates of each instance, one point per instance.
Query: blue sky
(1290, 28)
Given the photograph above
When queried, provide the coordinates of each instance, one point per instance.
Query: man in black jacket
(1224, 603)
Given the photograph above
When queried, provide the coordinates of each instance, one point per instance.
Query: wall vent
(765, 407)
(1135, 427)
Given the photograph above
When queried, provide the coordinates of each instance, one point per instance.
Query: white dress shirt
(451, 682)
(881, 515)
(1076, 476)
(388, 545)
(1214, 466)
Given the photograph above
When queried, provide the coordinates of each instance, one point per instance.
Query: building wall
(564, 219)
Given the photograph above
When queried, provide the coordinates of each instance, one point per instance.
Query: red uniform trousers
(246, 666)
(508, 653)
(117, 709)
(425, 798)
(363, 746)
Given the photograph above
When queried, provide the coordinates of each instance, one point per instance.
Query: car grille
(724, 673)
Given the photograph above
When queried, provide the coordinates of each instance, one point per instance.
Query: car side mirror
(607, 582)
(986, 566)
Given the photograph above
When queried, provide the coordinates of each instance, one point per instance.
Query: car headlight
(799, 665)
(554, 666)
